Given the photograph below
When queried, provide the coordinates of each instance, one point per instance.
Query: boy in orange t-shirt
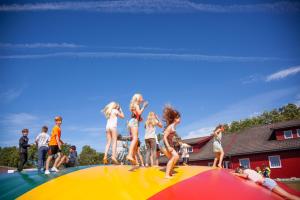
(54, 145)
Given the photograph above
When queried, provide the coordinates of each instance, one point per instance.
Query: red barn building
(275, 145)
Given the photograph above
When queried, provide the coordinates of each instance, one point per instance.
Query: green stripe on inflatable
(16, 184)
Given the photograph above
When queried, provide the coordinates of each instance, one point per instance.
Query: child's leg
(45, 150)
(169, 167)
(40, 158)
(153, 151)
(176, 158)
(148, 152)
(108, 141)
(278, 190)
(132, 148)
(221, 158)
(216, 159)
(114, 136)
(48, 161)
(57, 159)
(62, 160)
(140, 156)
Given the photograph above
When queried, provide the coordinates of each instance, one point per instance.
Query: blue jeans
(42, 152)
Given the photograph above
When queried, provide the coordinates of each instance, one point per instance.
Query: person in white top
(42, 141)
(150, 137)
(217, 146)
(184, 152)
(112, 111)
(266, 182)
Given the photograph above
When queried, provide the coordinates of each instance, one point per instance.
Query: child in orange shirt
(54, 145)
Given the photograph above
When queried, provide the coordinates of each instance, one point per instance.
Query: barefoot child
(217, 146)
(112, 111)
(150, 137)
(23, 145)
(54, 145)
(133, 124)
(266, 182)
(42, 141)
(172, 119)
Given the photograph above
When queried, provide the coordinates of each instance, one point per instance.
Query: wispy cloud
(10, 95)
(252, 79)
(153, 6)
(283, 73)
(238, 111)
(172, 56)
(40, 45)
(200, 132)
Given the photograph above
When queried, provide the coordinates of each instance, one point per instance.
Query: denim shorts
(269, 183)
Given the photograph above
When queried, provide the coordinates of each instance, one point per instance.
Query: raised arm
(159, 124)
(121, 114)
(140, 111)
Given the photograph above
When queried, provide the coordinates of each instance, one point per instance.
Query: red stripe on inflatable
(215, 184)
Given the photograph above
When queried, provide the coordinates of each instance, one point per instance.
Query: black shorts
(53, 149)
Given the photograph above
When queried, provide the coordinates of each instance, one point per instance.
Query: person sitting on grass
(70, 160)
(266, 182)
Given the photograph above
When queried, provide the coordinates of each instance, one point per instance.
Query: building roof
(250, 141)
(196, 140)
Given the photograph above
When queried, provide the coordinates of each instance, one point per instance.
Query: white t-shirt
(42, 139)
(112, 121)
(253, 176)
(184, 150)
(150, 132)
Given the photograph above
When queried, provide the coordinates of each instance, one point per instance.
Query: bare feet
(105, 162)
(168, 177)
(220, 166)
(115, 161)
(133, 162)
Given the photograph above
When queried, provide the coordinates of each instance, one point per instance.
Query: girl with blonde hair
(217, 145)
(133, 124)
(112, 111)
(150, 137)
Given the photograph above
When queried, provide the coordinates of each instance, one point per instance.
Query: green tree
(89, 156)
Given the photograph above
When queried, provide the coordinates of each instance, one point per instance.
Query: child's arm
(159, 124)
(121, 114)
(245, 176)
(140, 111)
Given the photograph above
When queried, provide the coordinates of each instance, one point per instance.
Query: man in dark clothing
(23, 145)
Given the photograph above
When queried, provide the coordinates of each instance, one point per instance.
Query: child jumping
(54, 145)
(133, 124)
(217, 146)
(112, 111)
(172, 119)
(150, 137)
(266, 182)
(42, 141)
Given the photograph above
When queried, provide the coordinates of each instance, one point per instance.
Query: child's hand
(171, 149)
(145, 104)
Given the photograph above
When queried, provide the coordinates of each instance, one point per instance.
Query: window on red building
(298, 132)
(245, 162)
(288, 134)
(190, 149)
(274, 162)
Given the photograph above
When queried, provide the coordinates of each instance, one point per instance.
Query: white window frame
(298, 132)
(270, 164)
(245, 159)
(288, 137)
(210, 164)
(191, 150)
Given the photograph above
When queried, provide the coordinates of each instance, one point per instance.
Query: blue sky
(214, 61)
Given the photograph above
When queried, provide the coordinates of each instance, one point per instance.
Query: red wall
(290, 163)
(280, 135)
